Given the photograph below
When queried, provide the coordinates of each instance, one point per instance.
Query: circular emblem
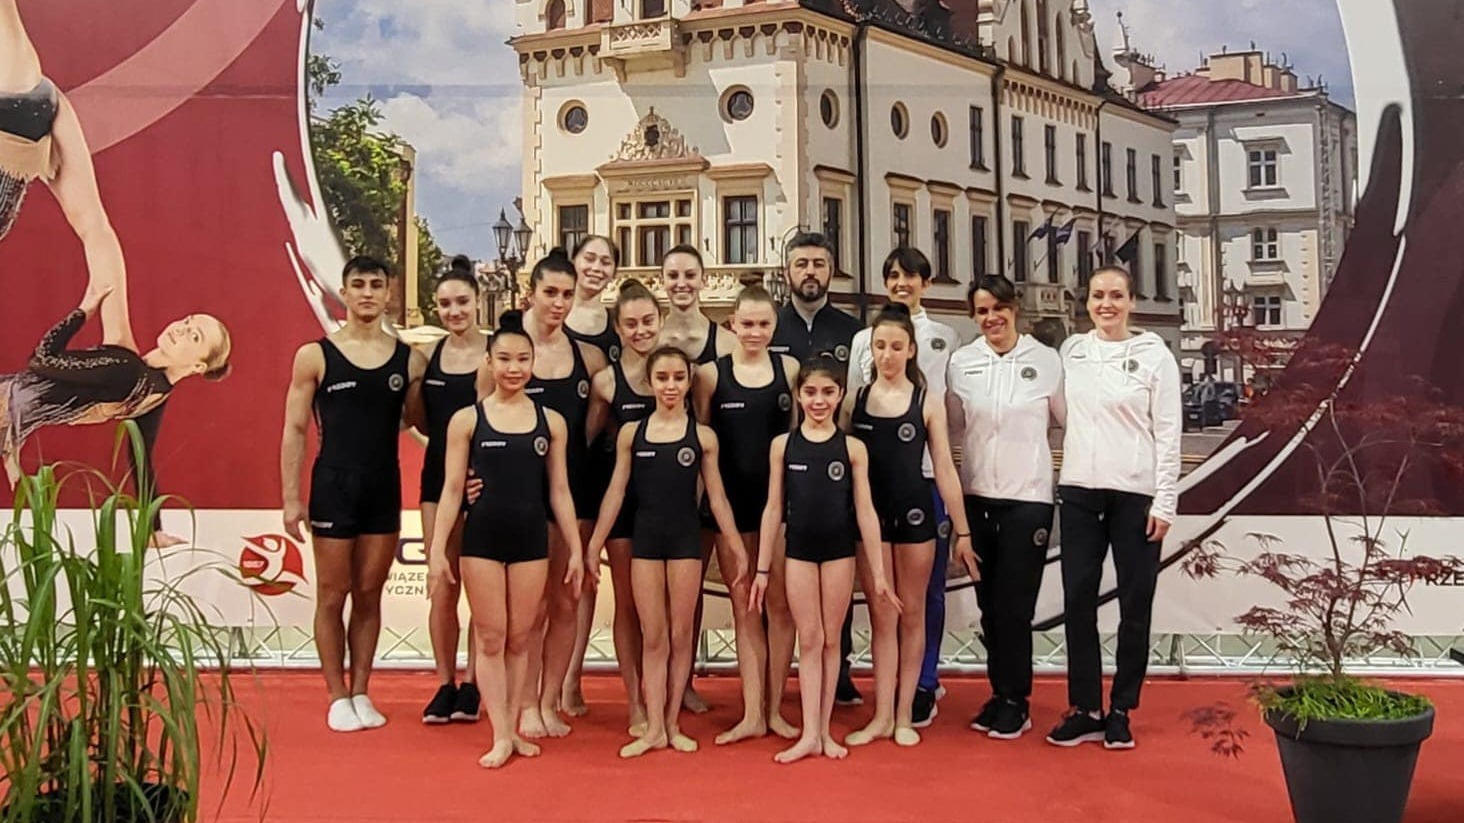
(841, 353)
(944, 529)
(938, 343)
(836, 470)
(686, 456)
(1132, 365)
(395, 382)
(583, 388)
(1029, 373)
(915, 517)
(785, 401)
(541, 446)
(614, 352)
(1039, 537)
(906, 432)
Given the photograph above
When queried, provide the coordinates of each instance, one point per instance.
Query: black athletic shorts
(347, 503)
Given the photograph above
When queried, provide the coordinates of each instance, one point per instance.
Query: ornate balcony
(1043, 300)
(643, 44)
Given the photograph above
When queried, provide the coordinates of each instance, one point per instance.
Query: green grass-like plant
(106, 672)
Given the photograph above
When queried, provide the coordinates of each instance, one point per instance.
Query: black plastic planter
(159, 803)
(1349, 771)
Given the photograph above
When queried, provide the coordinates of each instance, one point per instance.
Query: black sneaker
(984, 718)
(1116, 733)
(845, 694)
(1011, 722)
(467, 707)
(923, 710)
(440, 709)
(1077, 728)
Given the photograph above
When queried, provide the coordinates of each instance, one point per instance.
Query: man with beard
(808, 326)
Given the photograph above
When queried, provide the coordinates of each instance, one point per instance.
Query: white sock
(342, 716)
(370, 717)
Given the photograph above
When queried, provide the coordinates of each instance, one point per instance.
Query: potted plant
(1348, 747)
(106, 672)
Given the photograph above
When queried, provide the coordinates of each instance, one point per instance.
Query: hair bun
(462, 263)
(558, 252)
(895, 309)
(511, 320)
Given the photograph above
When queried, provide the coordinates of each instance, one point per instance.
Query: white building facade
(960, 130)
(1264, 174)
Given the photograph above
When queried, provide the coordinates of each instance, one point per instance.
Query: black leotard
(30, 115)
(664, 476)
(709, 351)
(444, 394)
(606, 340)
(746, 420)
(818, 498)
(509, 521)
(26, 151)
(896, 482)
(626, 407)
(570, 396)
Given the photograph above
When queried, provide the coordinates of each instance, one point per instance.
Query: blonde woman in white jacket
(1120, 467)
(1004, 390)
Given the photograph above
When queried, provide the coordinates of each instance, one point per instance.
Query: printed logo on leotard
(937, 344)
(1132, 365)
(944, 529)
(1029, 373)
(432, 382)
(614, 352)
(906, 432)
(836, 470)
(841, 353)
(915, 517)
(1039, 537)
(785, 401)
(685, 456)
(395, 382)
(541, 445)
(583, 388)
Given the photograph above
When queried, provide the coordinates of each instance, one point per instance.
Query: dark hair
(662, 352)
(556, 262)
(910, 260)
(1128, 279)
(753, 294)
(590, 238)
(510, 324)
(683, 248)
(820, 365)
(362, 264)
(631, 290)
(898, 314)
(462, 263)
(997, 285)
(460, 269)
(807, 239)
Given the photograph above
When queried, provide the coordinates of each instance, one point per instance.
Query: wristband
(764, 571)
(961, 534)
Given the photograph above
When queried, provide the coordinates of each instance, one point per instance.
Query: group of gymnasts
(799, 446)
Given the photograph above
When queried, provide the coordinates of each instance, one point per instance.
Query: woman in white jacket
(1004, 390)
(1120, 466)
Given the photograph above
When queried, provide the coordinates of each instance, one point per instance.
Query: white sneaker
(342, 716)
(370, 717)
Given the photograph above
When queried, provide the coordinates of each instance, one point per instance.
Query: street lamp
(1237, 312)
(513, 243)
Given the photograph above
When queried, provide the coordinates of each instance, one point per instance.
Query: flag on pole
(1129, 251)
(1041, 231)
(1064, 232)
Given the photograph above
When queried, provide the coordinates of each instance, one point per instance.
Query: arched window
(1026, 36)
(554, 15)
(1044, 25)
(1062, 48)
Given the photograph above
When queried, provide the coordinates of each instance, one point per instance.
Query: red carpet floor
(405, 772)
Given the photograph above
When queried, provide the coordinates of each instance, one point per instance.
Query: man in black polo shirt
(809, 326)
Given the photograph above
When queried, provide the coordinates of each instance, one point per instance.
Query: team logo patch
(915, 517)
(583, 388)
(1039, 537)
(686, 456)
(937, 344)
(395, 382)
(841, 353)
(1029, 373)
(614, 353)
(944, 529)
(906, 432)
(541, 446)
(836, 470)
(785, 401)
(1132, 365)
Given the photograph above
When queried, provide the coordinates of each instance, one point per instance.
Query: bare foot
(524, 748)
(573, 702)
(805, 747)
(641, 745)
(831, 748)
(906, 736)
(742, 731)
(876, 730)
(554, 726)
(682, 743)
(782, 728)
(693, 702)
(498, 755)
(531, 724)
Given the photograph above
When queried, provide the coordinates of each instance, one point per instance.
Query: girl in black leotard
(818, 485)
(619, 396)
(518, 447)
(449, 385)
(661, 458)
(687, 328)
(747, 399)
(899, 423)
(561, 381)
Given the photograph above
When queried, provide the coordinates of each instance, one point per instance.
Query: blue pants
(935, 598)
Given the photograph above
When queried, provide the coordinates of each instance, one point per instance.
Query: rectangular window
(1265, 245)
(1161, 271)
(1131, 175)
(940, 225)
(1085, 259)
(1266, 310)
(1082, 161)
(1049, 151)
(1021, 230)
(574, 225)
(833, 227)
(645, 229)
(978, 245)
(1156, 179)
(1105, 168)
(652, 9)
(1054, 255)
(1019, 160)
(900, 220)
(1262, 166)
(1178, 174)
(978, 138)
(739, 230)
